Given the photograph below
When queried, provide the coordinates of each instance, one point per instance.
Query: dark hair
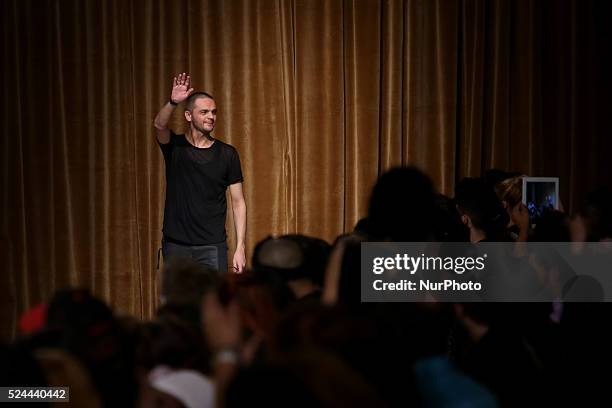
(20, 367)
(447, 222)
(477, 199)
(293, 256)
(171, 341)
(195, 96)
(401, 206)
(597, 212)
(184, 281)
(86, 327)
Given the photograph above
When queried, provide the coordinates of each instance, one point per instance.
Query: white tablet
(540, 194)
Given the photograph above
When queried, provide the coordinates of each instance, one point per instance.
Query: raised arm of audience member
(520, 217)
(223, 330)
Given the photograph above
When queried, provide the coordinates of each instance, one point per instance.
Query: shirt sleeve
(234, 171)
(167, 148)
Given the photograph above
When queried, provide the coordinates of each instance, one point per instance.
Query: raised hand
(520, 216)
(180, 88)
(221, 325)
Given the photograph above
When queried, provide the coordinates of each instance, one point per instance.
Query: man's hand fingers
(182, 80)
(238, 266)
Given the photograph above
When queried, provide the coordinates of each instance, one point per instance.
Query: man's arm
(239, 211)
(180, 92)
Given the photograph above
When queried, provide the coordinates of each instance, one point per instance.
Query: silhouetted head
(480, 208)
(402, 206)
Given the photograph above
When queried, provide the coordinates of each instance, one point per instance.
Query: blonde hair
(510, 190)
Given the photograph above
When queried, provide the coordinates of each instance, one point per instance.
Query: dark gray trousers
(214, 255)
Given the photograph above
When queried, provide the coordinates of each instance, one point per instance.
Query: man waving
(199, 169)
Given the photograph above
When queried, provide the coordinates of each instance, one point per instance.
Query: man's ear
(188, 115)
(465, 219)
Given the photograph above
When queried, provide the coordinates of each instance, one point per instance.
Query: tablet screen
(540, 194)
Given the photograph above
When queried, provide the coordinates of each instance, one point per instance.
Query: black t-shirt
(196, 181)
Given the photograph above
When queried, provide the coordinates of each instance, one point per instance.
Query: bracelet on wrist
(172, 102)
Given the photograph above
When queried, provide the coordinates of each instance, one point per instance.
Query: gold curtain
(318, 96)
